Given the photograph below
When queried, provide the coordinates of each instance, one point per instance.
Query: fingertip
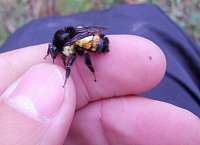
(134, 64)
(173, 124)
(139, 51)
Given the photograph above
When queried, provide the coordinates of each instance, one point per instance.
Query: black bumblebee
(72, 41)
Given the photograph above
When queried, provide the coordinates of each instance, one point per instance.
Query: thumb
(36, 109)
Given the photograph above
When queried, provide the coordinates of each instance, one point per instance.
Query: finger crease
(102, 124)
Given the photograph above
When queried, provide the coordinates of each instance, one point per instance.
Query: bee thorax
(68, 50)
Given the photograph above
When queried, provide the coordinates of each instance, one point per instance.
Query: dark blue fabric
(181, 84)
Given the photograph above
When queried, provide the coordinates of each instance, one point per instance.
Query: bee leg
(53, 61)
(48, 51)
(63, 57)
(88, 62)
(68, 69)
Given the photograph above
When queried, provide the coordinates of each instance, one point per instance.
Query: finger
(133, 121)
(132, 66)
(36, 109)
(14, 63)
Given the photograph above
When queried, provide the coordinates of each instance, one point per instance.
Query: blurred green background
(15, 13)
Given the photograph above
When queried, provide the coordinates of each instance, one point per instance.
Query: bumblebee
(72, 41)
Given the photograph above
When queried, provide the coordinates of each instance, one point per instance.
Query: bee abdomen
(102, 44)
(95, 42)
(90, 42)
(85, 43)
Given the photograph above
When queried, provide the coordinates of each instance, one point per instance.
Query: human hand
(35, 109)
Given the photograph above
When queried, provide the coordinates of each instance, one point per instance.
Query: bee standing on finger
(73, 41)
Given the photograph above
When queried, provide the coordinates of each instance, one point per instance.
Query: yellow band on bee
(90, 42)
(95, 42)
(84, 42)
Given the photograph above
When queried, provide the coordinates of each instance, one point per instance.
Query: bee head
(60, 38)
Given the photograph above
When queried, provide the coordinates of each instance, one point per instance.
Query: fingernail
(39, 92)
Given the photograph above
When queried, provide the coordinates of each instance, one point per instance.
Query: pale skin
(106, 112)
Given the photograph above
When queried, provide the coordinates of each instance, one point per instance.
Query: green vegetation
(14, 14)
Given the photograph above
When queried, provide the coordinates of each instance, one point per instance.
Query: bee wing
(90, 29)
(84, 31)
(77, 37)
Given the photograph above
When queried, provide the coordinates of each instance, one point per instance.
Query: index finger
(133, 65)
